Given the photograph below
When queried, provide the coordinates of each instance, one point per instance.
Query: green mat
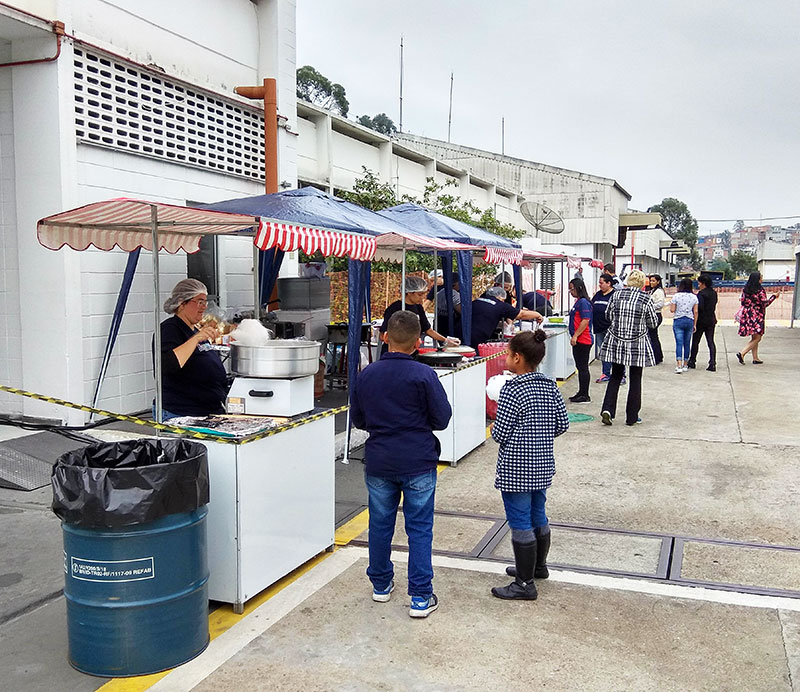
(579, 417)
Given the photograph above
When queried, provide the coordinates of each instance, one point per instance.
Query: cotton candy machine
(274, 379)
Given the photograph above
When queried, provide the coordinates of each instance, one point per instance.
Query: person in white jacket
(655, 290)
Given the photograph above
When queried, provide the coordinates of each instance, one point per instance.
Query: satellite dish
(542, 218)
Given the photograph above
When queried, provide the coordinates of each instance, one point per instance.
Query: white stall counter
(466, 391)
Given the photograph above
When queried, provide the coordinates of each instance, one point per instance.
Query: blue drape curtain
(269, 264)
(116, 319)
(464, 264)
(358, 295)
(518, 283)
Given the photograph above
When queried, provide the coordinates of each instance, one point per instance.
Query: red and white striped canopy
(496, 255)
(358, 246)
(127, 224)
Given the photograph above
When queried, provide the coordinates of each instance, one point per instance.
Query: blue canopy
(427, 222)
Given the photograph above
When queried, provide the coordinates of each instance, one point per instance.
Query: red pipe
(58, 30)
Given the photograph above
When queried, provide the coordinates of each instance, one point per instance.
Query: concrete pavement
(702, 492)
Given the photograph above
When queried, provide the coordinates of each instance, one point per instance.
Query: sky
(670, 98)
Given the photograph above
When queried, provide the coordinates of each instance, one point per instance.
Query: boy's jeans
(384, 497)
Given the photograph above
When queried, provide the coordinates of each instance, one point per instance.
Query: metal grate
(20, 471)
(123, 106)
(548, 275)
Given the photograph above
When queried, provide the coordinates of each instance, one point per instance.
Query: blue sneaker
(422, 607)
(382, 596)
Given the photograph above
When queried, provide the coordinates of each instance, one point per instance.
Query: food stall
(272, 490)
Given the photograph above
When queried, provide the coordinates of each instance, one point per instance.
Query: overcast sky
(694, 100)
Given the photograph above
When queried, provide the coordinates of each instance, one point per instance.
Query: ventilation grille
(122, 106)
(547, 277)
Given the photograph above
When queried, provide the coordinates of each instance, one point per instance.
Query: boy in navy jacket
(400, 402)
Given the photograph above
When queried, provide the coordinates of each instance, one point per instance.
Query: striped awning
(310, 239)
(127, 224)
(496, 255)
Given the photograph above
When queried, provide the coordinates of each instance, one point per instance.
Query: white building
(135, 100)
(776, 261)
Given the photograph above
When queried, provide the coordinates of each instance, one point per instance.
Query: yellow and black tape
(473, 363)
(165, 427)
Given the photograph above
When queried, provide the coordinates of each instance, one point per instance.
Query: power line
(760, 218)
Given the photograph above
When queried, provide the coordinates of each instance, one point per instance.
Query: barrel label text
(112, 570)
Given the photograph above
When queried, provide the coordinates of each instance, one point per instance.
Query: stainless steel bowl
(280, 358)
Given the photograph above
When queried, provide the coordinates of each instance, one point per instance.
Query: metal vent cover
(123, 106)
(20, 471)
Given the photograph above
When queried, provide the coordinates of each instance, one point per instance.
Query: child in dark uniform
(530, 415)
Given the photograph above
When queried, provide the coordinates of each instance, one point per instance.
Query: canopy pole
(156, 314)
(256, 284)
(403, 279)
(435, 292)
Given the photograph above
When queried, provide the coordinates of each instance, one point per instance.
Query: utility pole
(401, 83)
(450, 111)
(502, 136)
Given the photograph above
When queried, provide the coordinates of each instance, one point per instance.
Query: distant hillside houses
(749, 239)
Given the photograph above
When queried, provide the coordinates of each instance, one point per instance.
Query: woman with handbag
(752, 316)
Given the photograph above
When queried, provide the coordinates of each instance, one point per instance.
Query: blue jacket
(400, 402)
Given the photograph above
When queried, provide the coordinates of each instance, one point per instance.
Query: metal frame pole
(435, 292)
(403, 279)
(156, 313)
(256, 285)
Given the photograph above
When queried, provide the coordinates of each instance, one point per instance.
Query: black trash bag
(108, 485)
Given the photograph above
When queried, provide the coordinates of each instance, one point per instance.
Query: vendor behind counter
(490, 310)
(193, 379)
(416, 290)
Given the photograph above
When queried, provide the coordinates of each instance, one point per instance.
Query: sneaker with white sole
(685, 368)
(605, 416)
(678, 371)
(382, 596)
(421, 607)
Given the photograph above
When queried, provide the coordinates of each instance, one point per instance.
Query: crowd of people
(401, 402)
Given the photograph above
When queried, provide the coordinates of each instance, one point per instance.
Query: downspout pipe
(58, 30)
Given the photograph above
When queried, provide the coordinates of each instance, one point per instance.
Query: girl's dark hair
(580, 287)
(607, 278)
(706, 279)
(685, 286)
(657, 277)
(530, 345)
(753, 284)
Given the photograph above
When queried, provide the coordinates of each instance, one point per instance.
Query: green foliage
(725, 239)
(722, 265)
(369, 192)
(316, 88)
(380, 123)
(738, 227)
(677, 220)
(742, 263)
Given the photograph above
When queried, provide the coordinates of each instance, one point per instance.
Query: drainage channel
(752, 568)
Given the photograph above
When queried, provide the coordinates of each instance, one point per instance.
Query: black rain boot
(522, 588)
(543, 547)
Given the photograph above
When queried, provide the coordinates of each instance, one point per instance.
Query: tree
(742, 263)
(678, 222)
(380, 123)
(738, 227)
(316, 88)
(370, 193)
(722, 265)
(725, 240)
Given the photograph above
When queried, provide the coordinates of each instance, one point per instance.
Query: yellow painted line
(223, 618)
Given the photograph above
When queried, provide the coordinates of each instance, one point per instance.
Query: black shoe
(580, 399)
(542, 548)
(606, 417)
(691, 365)
(712, 368)
(522, 588)
(740, 358)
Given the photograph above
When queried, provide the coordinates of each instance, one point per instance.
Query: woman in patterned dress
(530, 414)
(752, 316)
(627, 342)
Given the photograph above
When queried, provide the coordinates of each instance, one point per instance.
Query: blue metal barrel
(137, 596)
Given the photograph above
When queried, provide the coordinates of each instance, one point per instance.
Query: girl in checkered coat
(530, 415)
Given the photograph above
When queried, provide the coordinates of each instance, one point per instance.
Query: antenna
(450, 112)
(542, 218)
(502, 136)
(401, 83)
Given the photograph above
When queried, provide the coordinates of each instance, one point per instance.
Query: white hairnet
(184, 290)
(496, 292)
(415, 284)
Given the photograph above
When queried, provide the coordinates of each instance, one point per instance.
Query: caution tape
(473, 363)
(183, 432)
